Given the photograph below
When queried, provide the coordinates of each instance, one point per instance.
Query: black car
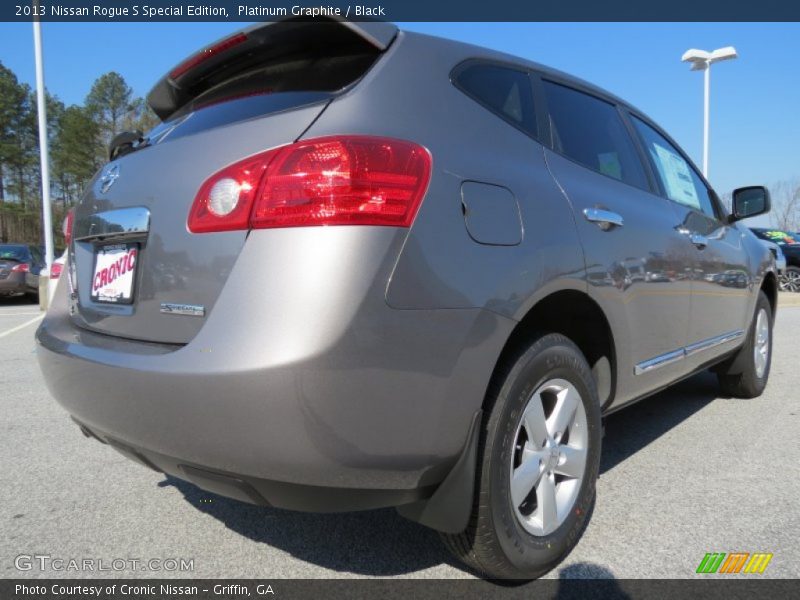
(20, 265)
(790, 246)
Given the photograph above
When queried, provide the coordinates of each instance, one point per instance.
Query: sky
(755, 122)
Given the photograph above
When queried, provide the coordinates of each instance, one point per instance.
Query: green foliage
(73, 154)
(78, 137)
(109, 101)
(140, 117)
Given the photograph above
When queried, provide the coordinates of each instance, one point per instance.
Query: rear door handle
(697, 239)
(605, 219)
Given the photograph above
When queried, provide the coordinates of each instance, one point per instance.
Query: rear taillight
(341, 180)
(66, 227)
(21, 268)
(55, 270)
(204, 55)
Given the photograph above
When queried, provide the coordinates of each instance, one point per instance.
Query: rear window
(289, 68)
(505, 91)
(18, 253)
(590, 131)
(195, 118)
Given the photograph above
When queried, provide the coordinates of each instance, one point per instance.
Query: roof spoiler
(273, 41)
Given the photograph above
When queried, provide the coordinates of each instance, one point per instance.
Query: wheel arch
(769, 285)
(577, 316)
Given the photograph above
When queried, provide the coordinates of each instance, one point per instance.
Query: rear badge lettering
(193, 310)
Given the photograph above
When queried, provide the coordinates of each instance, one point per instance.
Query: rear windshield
(18, 253)
(195, 118)
(285, 72)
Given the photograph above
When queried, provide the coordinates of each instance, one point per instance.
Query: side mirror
(749, 202)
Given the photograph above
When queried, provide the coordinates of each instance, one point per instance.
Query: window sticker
(677, 177)
(609, 164)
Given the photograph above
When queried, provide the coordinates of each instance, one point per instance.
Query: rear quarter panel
(409, 96)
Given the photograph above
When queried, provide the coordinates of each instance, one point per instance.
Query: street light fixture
(702, 61)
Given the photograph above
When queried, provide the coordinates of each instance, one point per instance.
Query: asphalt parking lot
(683, 473)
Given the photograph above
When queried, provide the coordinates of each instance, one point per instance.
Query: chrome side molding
(671, 357)
(712, 342)
(659, 361)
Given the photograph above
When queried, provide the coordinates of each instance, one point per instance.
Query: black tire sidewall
(552, 357)
(760, 382)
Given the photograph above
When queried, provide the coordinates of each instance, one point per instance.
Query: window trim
(456, 71)
(719, 212)
(619, 109)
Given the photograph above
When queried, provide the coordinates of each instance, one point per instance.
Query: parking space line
(19, 314)
(19, 327)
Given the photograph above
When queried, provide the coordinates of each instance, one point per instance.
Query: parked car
(790, 246)
(413, 274)
(20, 265)
(55, 273)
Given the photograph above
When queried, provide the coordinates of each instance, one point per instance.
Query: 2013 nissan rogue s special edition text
(356, 267)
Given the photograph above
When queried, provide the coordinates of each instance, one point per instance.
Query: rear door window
(505, 91)
(591, 132)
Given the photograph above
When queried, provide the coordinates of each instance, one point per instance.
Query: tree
(140, 117)
(78, 138)
(13, 105)
(786, 205)
(109, 101)
(21, 160)
(73, 155)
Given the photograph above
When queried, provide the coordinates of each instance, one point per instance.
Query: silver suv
(356, 267)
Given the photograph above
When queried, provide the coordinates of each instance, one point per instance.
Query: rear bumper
(264, 492)
(358, 397)
(14, 283)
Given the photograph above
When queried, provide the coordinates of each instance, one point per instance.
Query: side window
(680, 181)
(37, 255)
(505, 91)
(590, 131)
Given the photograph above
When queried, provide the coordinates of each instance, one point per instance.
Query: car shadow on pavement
(18, 301)
(375, 543)
(636, 426)
(573, 584)
(382, 543)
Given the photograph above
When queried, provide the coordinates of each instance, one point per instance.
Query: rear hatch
(135, 265)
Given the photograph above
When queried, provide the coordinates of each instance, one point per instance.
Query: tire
(506, 540)
(745, 375)
(790, 282)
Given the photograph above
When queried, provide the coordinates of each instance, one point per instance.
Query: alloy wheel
(790, 282)
(761, 345)
(549, 460)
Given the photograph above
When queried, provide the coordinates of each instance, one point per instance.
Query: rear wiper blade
(124, 143)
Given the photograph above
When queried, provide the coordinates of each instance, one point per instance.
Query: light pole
(41, 104)
(701, 61)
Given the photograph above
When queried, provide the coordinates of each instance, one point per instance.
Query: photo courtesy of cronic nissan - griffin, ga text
(356, 267)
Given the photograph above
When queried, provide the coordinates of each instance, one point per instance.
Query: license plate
(115, 273)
